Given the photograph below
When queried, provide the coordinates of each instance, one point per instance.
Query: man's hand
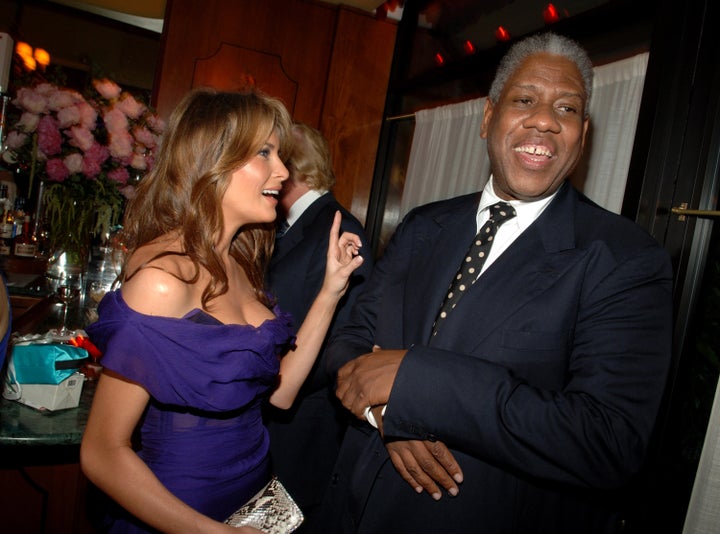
(366, 382)
(368, 379)
(425, 464)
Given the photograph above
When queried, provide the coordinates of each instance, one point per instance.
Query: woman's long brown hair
(209, 136)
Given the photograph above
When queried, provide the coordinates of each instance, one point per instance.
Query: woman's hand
(342, 260)
(343, 257)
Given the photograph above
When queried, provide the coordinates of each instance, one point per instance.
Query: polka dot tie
(474, 260)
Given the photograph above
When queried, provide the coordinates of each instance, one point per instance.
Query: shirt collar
(301, 204)
(526, 211)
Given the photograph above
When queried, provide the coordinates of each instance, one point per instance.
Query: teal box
(46, 364)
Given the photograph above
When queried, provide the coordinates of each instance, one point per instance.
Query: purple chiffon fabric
(202, 434)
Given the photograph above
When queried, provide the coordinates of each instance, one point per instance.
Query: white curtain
(614, 108)
(448, 158)
(703, 515)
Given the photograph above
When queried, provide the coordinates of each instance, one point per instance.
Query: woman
(191, 341)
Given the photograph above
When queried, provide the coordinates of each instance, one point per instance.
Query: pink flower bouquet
(89, 152)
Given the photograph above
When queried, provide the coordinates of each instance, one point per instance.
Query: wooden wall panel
(299, 34)
(259, 69)
(329, 64)
(354, 104)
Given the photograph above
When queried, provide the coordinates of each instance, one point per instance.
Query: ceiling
(149, 13)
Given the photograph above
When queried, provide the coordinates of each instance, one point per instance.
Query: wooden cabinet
(46, 499)
(42, 489)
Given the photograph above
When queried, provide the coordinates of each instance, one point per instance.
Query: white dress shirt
(526, 211)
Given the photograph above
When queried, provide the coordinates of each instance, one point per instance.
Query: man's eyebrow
(533, 87)
(529, 86)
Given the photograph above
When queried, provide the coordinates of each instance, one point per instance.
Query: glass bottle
(7, 227)
(25, 245)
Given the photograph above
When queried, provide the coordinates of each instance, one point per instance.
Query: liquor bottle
(6, 229)
(25, 246)
(18, 216)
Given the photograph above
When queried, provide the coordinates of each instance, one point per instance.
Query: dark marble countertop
(23, 425)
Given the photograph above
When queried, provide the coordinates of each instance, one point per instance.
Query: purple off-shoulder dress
(202, 434)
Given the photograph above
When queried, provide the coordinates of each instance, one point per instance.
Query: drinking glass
(69, 291)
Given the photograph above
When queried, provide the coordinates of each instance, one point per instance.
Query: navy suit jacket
(305, 439)
(545, 381)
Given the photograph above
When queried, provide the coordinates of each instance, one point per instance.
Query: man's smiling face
(536, 130)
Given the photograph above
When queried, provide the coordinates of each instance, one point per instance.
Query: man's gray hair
(550, 43)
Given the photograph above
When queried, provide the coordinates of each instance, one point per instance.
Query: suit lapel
(535, 261)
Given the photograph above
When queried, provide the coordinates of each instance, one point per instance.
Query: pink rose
(49, 136)
(138, 162)
(15, 140)
(127, 191)
(30, 100)
(121, 144)
(93, 160)
(156, 124)
(81, 138)
(28, 122)
(115, 120)
(107, 88)
(63, 98)
(88, 115)
(150, 161)
(119, 175)
(145, 137)
(131, 107)
(68, 116)
(45, 89)
(74, 163)
(56, 170)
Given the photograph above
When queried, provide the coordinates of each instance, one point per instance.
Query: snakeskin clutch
(271, 510)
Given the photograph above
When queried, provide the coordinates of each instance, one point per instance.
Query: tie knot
(501, 212)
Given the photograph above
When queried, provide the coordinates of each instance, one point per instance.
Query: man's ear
(586, 125)
(487, 115)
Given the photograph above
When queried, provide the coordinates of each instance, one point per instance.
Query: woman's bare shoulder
(158, 283)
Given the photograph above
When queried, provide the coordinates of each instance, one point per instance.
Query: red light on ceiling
(468, 47)
(501, 34)
(550, 14)
(439, 59)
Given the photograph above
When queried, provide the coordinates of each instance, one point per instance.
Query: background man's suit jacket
(304, 440)
(545, 381)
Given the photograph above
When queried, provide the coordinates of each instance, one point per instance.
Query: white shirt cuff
(370, 417)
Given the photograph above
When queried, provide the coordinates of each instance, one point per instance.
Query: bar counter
(22, 425)
(42, 488)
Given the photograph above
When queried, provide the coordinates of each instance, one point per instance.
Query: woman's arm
(342, 260)
(109, 461)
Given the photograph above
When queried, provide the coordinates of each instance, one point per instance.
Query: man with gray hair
(516, 393)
